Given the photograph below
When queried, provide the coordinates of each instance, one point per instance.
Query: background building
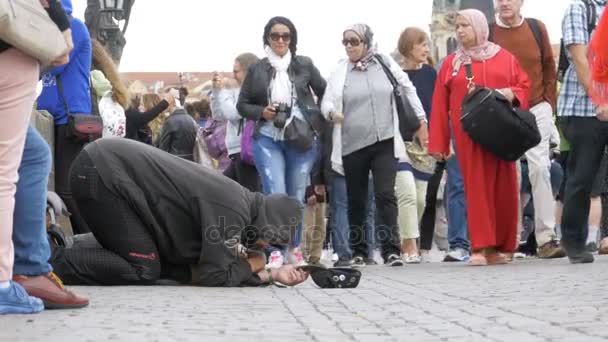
(442, 24)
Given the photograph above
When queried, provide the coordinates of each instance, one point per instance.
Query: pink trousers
(18, 78)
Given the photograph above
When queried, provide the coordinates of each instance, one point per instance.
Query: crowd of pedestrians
(300, 164)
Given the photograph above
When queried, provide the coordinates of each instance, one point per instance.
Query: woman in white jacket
(223, 107)
(366, 137)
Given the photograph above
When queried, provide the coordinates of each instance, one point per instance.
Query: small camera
(283, 111)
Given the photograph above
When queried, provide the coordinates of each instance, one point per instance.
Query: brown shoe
(603, 246)
(551, 250)
(49, 288)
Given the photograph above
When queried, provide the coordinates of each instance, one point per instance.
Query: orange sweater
(521, 43)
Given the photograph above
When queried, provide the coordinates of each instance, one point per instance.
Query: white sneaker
(296, 258)
(457, 255)
(326, 254)
(275, 261)
(425, 257)
(411, 258)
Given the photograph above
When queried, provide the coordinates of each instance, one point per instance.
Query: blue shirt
(573, 100)
(74, 77)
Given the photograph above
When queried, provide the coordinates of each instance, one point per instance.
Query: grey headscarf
(366, 34)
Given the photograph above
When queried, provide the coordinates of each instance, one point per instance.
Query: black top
(308, 82)
(57, 14)
(137, 120)
(178, 135)
(424, 81)
(191, 211)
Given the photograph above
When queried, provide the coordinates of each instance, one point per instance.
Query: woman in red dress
(490, 183)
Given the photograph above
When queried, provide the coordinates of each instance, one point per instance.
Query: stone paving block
(431, 302)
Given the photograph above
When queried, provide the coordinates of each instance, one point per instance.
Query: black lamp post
(104, 18)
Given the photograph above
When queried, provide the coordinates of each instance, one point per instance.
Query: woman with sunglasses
(359, 100)
(277, 92)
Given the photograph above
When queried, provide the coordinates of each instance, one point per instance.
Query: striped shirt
(573, 100)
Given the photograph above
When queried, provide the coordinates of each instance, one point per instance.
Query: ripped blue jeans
(284, 169)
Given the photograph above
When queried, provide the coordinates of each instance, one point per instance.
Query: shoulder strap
(538, 35)
(94, 101)
(491, 31)
(469, 71)
(61, 94)
(387, 71)
(591, 15)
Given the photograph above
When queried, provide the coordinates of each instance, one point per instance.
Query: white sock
(558, 231)
(5, 284)
(592, 235)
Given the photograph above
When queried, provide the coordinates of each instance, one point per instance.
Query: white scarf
(280, 86)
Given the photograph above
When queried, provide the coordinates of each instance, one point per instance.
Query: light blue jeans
(284, 169)
(456, 207)
(338, 219)
(32, 250)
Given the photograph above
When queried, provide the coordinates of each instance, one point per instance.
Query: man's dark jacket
(191, 211)
(178, 135)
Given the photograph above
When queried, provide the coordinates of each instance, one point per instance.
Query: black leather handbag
(493, 122)
(299, 134)
(409, 122)
(81, 128)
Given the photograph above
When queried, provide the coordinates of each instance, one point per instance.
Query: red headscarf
(598, 61)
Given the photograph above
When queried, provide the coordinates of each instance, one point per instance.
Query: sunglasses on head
(286, 37)
(352, 41)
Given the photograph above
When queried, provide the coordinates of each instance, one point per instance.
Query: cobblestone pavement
(530, 300)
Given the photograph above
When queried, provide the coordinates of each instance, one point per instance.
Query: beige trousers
(18, 78)
(314, 232)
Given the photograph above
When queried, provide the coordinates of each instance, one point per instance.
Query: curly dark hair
(292, 30)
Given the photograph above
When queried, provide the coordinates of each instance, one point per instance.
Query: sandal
(478, 259)
(496, 258)
(603, 246)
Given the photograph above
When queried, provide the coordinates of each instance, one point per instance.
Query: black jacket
(254, 91)
(191, 211)
(137, 120)
(178, 135)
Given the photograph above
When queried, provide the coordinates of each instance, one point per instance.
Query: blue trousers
(32, 250)
(284, 169)
(457, 208)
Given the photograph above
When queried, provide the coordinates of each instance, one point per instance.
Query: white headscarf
(280, 86)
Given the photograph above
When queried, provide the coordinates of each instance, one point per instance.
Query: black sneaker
(370, 262)
(394, 260)
(577, 255)
(582, 257)
(357, 262)
(342, 263)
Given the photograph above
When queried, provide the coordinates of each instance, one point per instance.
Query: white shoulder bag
(26, 26)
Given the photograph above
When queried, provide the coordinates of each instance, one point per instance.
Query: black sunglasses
(286, 37)
(354, 42)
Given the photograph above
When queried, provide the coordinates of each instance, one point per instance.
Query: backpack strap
(491, 31)
(591, 15)
(538, 35)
